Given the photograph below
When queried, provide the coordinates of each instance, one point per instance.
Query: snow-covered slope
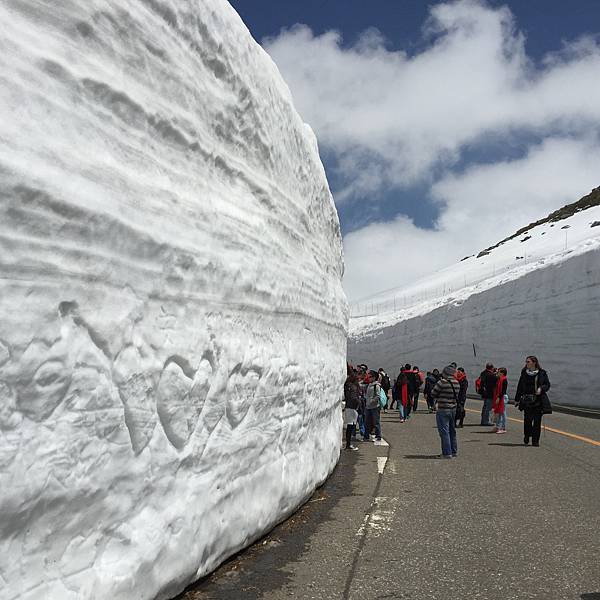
(537, 293)
(172, 321)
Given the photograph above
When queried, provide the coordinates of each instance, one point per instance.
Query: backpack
(385, 382)
(382, 398)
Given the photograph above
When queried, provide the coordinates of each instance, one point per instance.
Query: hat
(449, 371)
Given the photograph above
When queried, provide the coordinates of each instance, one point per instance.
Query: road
(501, 521)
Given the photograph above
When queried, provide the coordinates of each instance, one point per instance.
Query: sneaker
(444, 456)
(351, 448)
(500, 430)
(526, 441)
(455, 456)
(536, 444)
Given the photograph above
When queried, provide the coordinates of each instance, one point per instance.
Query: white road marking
(361, 529)
(381, 460)
(380, 517)
(381, 442)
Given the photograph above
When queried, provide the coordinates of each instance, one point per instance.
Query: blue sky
(401, 175)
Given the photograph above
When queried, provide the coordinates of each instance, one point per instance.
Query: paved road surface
(501, 521)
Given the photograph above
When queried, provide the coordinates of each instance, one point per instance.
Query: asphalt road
(502, 521)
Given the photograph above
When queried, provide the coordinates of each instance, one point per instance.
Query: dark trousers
(532, 424)
(373, 421)
(349, 432)
(415, 400)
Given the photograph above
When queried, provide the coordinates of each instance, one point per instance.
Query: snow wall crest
(172, 320)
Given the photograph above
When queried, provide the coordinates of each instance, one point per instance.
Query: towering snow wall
(551, 312)
(172, 321)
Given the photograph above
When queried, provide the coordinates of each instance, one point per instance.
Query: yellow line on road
(581, 438)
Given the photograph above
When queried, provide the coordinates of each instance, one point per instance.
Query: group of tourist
(368, 392)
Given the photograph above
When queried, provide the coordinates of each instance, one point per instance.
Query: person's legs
(497, 420)
(349, 435)
(484, 413)
(452, 431)
(428, 400)
(401, 411)
(502, 420)
(442, 419)
(368, 424)
(407, 408)
(536, 429)
(527, 425)
(377, 422)
(415, 401)
(391, 399)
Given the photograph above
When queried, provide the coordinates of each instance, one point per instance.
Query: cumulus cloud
(393, 120)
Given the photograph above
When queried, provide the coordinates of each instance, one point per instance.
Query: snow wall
(551, 312)
(172, 321)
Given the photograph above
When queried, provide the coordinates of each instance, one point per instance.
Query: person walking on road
(445, 393)
(500, 401)
(373, 407)
(352, 404)
(417, 383)
(410, 388)
(463, 385)
(532, 398)
(487, 389)
(402, 395)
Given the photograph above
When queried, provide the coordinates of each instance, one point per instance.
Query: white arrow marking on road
(381, 460)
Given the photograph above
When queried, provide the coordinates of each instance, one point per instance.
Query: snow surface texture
(172, 321)
(539, 296)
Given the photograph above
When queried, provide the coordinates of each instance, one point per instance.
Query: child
(501, 401)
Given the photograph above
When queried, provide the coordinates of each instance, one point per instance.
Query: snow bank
(535, 294)
(172, 321)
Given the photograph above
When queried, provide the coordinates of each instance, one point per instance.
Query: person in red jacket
(402, 395)
(500, 401)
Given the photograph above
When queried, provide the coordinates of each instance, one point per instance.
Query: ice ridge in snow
(172, 321)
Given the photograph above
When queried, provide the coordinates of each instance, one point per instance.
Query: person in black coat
(352, 405)
(487, 387)
(532, 398)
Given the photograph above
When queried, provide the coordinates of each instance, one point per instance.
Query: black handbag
(546, 406)
(528, 400)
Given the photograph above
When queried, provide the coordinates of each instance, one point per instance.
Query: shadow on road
(422, 456)
(507, 444)
(593, 596)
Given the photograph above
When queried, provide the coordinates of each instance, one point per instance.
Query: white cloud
(393, 120)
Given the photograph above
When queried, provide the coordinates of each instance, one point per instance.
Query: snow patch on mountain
(541, 246)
